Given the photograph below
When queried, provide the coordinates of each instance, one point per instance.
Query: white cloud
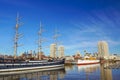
(83, 44)
(113, 43)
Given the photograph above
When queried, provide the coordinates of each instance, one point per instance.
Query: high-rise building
(53, 50)
(103, 51)
(61, 51)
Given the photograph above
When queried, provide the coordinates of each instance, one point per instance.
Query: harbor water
(70, 72)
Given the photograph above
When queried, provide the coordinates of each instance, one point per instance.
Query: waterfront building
(35, 54)
(103, 50)
(61, 51)
(78, 55)
(30, 52)
(95, 54)
(69, 58)
(24, 55)
(1, 56)
(53, 50)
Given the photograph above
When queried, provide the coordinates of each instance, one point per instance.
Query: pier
(115, 65)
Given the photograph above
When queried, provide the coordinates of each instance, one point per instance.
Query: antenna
(17, 36)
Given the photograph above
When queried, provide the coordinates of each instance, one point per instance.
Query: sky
(80, 24)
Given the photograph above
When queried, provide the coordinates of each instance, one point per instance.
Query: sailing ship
(15, 64)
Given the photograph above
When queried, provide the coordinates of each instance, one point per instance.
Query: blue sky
(81, 24)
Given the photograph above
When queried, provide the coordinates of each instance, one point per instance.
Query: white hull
(85, 62)
(30, 69)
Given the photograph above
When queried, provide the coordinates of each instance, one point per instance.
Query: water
(71, 72)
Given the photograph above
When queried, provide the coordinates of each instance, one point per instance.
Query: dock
(70, 62)
(112, 66)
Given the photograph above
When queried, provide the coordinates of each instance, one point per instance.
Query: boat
(10, 65)
(85, 62)
(16, 64)
(88, 60)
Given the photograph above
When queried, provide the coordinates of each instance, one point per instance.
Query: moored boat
(19, 63)
(85, 62)
(88, 60)
(32, 65)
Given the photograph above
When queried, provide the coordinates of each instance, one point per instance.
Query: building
(69, 58)
(61, 51)
(53, 50)
(78, 55)
(103, 51)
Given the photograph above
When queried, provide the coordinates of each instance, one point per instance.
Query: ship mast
(40, 40)
(56, 35)
(17, 36)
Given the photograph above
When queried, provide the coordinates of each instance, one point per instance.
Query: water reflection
(71, 72)
(88, 68)
(106, 74)
(69, 67)
(88, 71)
(44, 75)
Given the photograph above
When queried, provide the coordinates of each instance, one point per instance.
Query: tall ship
(8, 66)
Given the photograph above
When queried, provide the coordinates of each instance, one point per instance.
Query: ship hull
(6, 68)
(86, 62)
(30, 69)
